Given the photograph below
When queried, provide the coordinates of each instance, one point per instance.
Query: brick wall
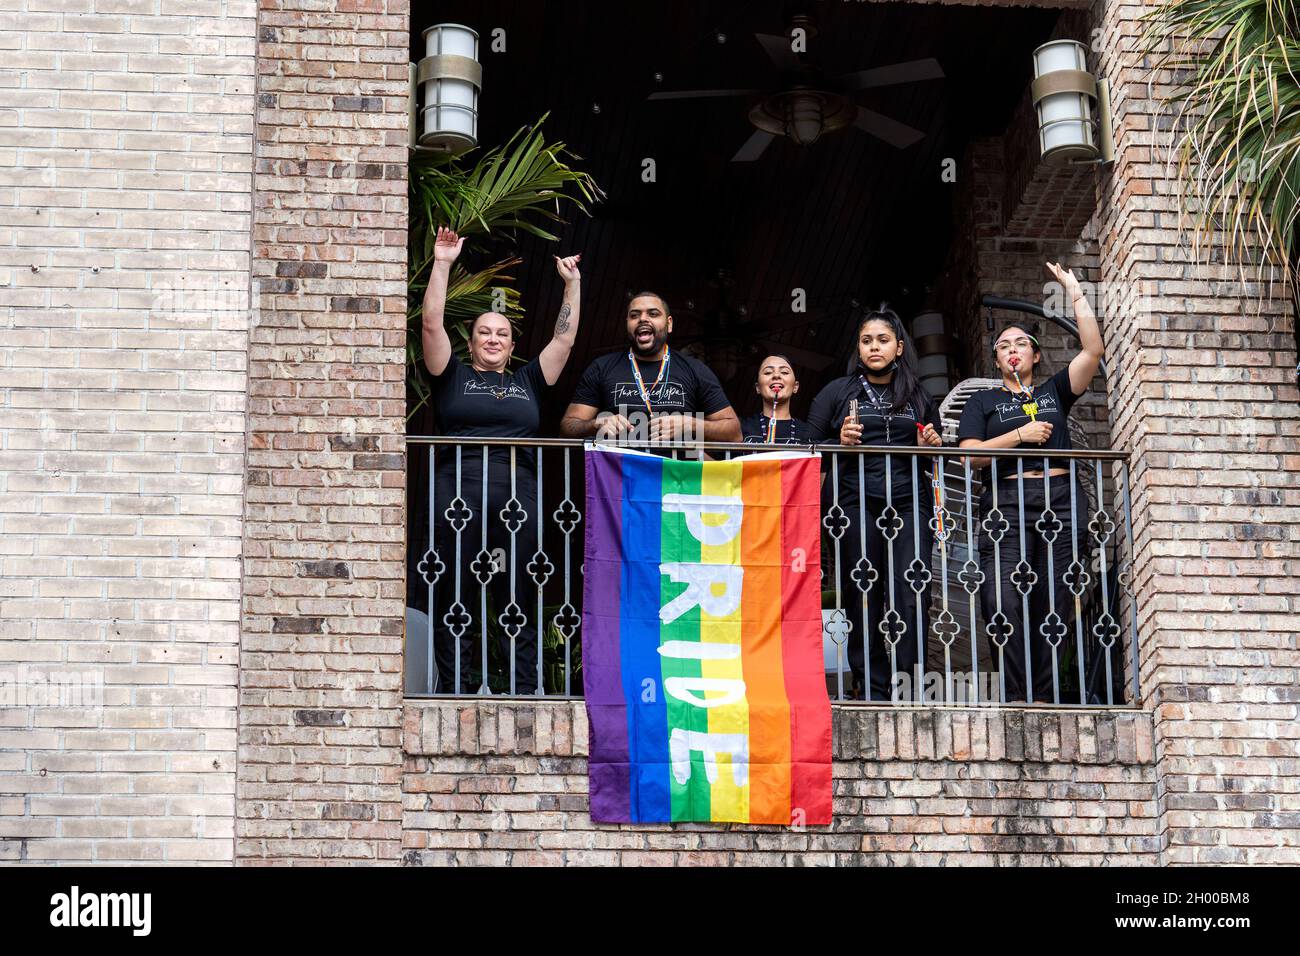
(1000, 249)
(134, 381)
(325, 566)
(506, 783)
(1208, 404)
(125, 161)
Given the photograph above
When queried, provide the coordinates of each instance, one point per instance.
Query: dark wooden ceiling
(849, 218)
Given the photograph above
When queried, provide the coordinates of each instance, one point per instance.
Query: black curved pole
(1033, 308)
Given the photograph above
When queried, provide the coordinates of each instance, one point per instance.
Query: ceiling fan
(809, 103)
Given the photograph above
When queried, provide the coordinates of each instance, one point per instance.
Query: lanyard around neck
(876, 398)
(878, 402)
(640, 382)
(1028, 403)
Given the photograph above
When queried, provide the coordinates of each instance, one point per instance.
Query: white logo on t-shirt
(1016, 409)
(665, 393)
(488, 390)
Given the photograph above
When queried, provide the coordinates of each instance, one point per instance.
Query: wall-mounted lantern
(449, 79)
(1073, 106)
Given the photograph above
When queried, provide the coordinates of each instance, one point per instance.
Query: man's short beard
(655, 344)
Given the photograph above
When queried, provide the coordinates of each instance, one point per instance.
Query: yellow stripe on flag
(727, 801)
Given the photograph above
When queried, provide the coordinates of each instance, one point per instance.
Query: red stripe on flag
(801, 642)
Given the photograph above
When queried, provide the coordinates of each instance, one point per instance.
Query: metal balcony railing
(1015, 590)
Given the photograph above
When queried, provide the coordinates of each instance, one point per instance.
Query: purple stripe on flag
(602, 666)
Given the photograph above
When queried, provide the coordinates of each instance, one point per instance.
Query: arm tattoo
(562, 324)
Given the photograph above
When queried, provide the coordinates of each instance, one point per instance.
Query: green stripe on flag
(691, 800)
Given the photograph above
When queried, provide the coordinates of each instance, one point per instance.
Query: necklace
(499, 391)
(640, 382)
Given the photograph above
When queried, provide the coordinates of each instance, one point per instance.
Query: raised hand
(568, 267)
(1066, 277)
(446, 246)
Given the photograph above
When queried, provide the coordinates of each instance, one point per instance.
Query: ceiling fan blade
(780, 52)
(753, 147)
(893, 132)
(813, 361)
(699, 94)
(913, 71)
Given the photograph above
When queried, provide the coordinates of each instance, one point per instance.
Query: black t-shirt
(689, 387)
(789, 431)
(995, 411)
(488, 405)
(880, 426)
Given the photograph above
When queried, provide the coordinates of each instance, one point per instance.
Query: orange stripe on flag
(763, 661)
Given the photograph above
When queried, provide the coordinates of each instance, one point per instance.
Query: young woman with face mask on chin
(1030, 411)
(892, 409)
(486, 398)
(775, 386)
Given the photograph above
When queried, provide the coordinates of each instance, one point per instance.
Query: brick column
(1206, 400)
(324, 576)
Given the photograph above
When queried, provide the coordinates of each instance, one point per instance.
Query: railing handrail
(946, 451)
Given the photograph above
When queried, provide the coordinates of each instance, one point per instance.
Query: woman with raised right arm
(1030, 411)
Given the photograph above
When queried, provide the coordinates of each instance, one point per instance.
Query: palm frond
(1236, 106)
(519, 187)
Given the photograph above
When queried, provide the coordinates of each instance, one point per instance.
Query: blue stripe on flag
(647, 714)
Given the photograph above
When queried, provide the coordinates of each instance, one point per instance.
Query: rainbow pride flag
(702, 648)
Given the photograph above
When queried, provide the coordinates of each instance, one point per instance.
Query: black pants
(1017, 572)
(496, 568)
(892, 602)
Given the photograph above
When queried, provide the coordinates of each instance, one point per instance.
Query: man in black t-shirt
(650, 385)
